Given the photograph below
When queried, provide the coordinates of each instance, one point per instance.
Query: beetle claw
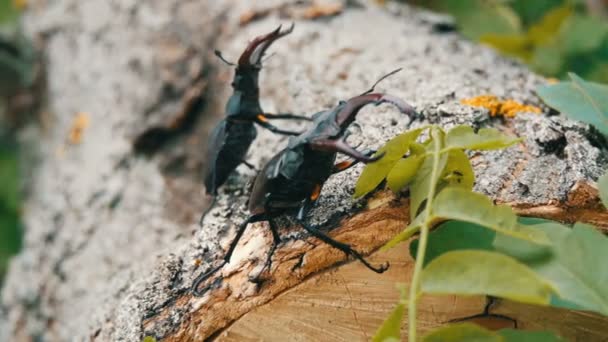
(376, 158)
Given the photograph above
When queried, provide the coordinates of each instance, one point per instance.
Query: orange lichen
(251, 15)
(20, 4)
(497, 107)
(80, 123)
(320, 10)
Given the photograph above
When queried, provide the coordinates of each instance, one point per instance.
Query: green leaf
(602, 184)
(373, 173)
(403, 172)
(526, 251)
(458, 170)
(149, 339)
(578, 270)
(512, 335)
(516, 45)
(467, 332)
(548, 59)
(580, 100)
(8, 12)
(405, 234)
(485, 139)
(463, 332)
(458, 204)
(582, 34)
(9, 179)
(528, 221)
(475, 273)
(429, 172)
(545, 30)
(477, 17)
(522, 250)
(532, 11)
(455, 236)
(391, 328)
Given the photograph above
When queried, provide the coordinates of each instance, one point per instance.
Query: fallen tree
(112, 242)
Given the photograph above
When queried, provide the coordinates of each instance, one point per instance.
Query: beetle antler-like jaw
(252, 56)
(351, 108)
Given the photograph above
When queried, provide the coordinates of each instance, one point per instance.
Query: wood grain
(350, 303)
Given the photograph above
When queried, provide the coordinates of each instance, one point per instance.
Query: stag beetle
(293, 178)
(232, 137)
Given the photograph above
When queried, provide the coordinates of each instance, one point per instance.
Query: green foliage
(602, 184)
(455, 236)
(423, 186)
(391, 328)
(458, 170)
(462, 332)
(476, 18)
(10, 238)
(470, 272)
(8, 12)
(460, 204)
(552, 36)
(540, 261)
(17, 55)
(464, 137)
(512, 335)
(393, 151)
(17, 60)
(406, 162)
(579, 99)
(403, 172)
(576, 268)
(470, 332)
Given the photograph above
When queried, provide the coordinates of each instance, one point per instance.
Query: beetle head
(252, 56)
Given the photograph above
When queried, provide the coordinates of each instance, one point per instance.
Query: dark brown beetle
(232, 137)
(292, 180)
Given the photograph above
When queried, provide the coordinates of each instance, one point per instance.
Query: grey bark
(111, 235)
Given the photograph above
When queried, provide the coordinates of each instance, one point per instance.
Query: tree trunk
(112, 242)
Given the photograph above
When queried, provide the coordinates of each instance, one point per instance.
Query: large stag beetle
(232, 137)
(292, 180)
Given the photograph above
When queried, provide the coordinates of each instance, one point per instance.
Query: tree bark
(112, 242)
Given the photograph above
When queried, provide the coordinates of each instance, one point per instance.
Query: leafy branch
(536, 260)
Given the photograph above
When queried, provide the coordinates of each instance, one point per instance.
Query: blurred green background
(551, 36)
(16, 74)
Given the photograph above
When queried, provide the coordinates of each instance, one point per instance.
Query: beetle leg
(239, 233)
(342, 246)
(251, 166)
(490, 301)
(276, 240)
(348, 250)
(342, 147)
(347, 164)
(263, 121)
(342, 166)
(211, 205)
(286, 116)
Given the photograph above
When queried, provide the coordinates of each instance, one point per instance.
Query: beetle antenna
(382, 79)
(219, 55)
